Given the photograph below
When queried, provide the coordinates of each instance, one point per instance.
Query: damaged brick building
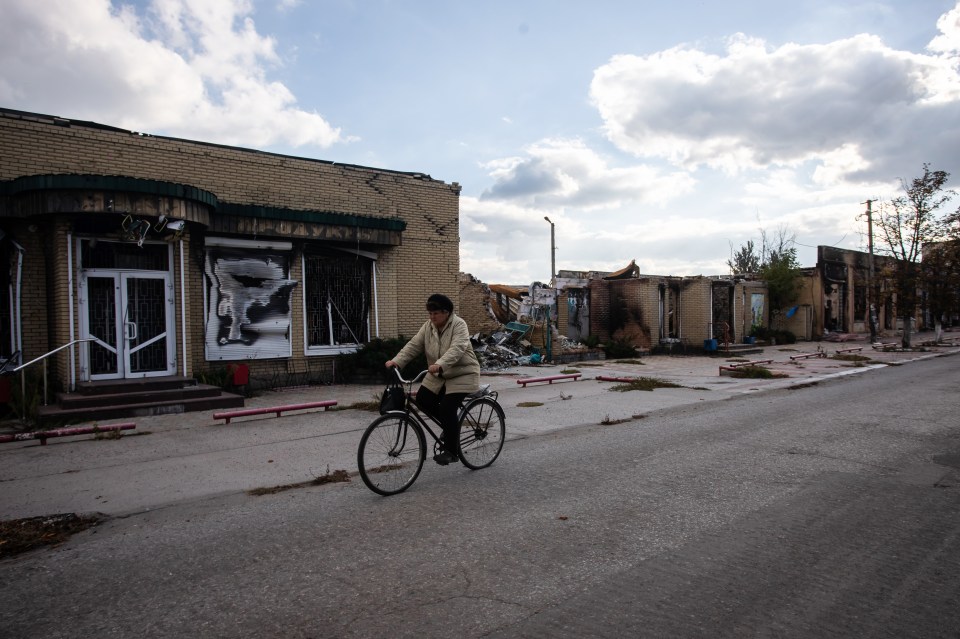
(156, 257)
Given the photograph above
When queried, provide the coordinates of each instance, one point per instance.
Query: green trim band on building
(314, 217)
(107, 183)
(120, 183)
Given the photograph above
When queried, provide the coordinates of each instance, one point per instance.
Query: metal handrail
(23, 375)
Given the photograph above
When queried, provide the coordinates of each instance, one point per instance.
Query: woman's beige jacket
(451, 349)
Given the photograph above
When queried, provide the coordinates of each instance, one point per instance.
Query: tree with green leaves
(906, 224)
(746, 260)
(776, 264)
(781, 271)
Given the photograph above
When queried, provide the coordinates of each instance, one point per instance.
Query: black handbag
(393, 398)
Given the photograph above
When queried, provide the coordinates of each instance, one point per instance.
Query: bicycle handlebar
(396, 371)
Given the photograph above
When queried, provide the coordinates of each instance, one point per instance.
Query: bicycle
(393, 447)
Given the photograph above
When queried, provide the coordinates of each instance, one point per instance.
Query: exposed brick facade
(474, 305)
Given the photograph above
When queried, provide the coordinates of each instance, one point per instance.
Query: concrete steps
(136, 398)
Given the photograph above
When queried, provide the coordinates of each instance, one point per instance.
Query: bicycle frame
(410, 405)
(411, 409)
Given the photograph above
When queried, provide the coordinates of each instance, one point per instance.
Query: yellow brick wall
(474, 306)
(696, 310)
(426, 261)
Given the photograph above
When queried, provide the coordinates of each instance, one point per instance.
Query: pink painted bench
(228, 415)
(850, 350)
(549, 380)
(809, 355)
(65, 432)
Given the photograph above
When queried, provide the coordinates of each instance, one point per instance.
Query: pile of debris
(506, 347)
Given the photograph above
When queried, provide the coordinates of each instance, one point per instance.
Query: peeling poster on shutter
(248, 309)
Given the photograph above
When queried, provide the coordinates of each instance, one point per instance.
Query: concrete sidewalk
(170, 459)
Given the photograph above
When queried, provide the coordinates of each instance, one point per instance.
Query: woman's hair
(438, 302)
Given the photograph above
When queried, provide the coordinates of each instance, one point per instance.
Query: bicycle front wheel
(482, 432)
(391, 454)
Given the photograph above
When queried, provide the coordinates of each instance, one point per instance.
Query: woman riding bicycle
(454, 371)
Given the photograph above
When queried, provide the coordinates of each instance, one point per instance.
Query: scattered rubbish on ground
(21, 535)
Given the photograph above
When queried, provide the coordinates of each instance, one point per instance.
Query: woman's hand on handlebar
(390, 364)
(435, 369)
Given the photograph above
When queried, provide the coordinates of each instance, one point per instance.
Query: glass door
(99, 296)
(146, 301)
(129, 316)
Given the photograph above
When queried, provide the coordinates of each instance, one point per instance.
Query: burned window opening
(723, 312)
(338, 294)
(669, 311)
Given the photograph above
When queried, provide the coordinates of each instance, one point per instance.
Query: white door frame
(127, 331)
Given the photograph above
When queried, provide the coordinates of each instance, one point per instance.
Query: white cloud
(758, 106)
(559, 172)
(948, 41)
(288, 5)
(186, 68)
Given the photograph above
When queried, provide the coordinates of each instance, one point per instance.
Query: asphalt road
(827, 510)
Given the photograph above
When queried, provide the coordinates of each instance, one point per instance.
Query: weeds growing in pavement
(756, 372)
(644, 384)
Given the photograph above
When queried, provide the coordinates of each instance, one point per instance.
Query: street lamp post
(553, 251)
(872, 297)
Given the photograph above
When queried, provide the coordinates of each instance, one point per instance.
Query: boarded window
(248, 303)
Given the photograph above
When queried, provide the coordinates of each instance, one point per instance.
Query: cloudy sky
(661, 132)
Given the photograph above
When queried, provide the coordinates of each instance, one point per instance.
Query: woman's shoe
(445, 458)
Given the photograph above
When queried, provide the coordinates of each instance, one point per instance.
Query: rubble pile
(503, 349)
(509, 347)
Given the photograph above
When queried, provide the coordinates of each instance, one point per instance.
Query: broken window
(669, 311)
(337, 287)
(859, 303)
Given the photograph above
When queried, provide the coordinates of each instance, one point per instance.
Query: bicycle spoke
(481, 433)
(391, 454)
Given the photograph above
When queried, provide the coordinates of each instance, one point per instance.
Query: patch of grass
(756, 372)
(582, 364)
(608, 421)
(331, 478)
(107, 434)
(569, 371)
(636, 362)
(21, 535)
(529, 404)
(804, 385)
(327, 478)
(850, 357)
(737, 359)
(372, 406)
(644, 384)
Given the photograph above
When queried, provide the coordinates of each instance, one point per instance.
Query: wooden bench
(850, 350)
(228, 415)
(808, 355)
(549, 380)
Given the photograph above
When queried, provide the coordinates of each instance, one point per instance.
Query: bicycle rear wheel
(391, 454)
(482, 429)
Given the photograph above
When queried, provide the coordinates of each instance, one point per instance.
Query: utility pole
(553, 252)
(871, 310)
